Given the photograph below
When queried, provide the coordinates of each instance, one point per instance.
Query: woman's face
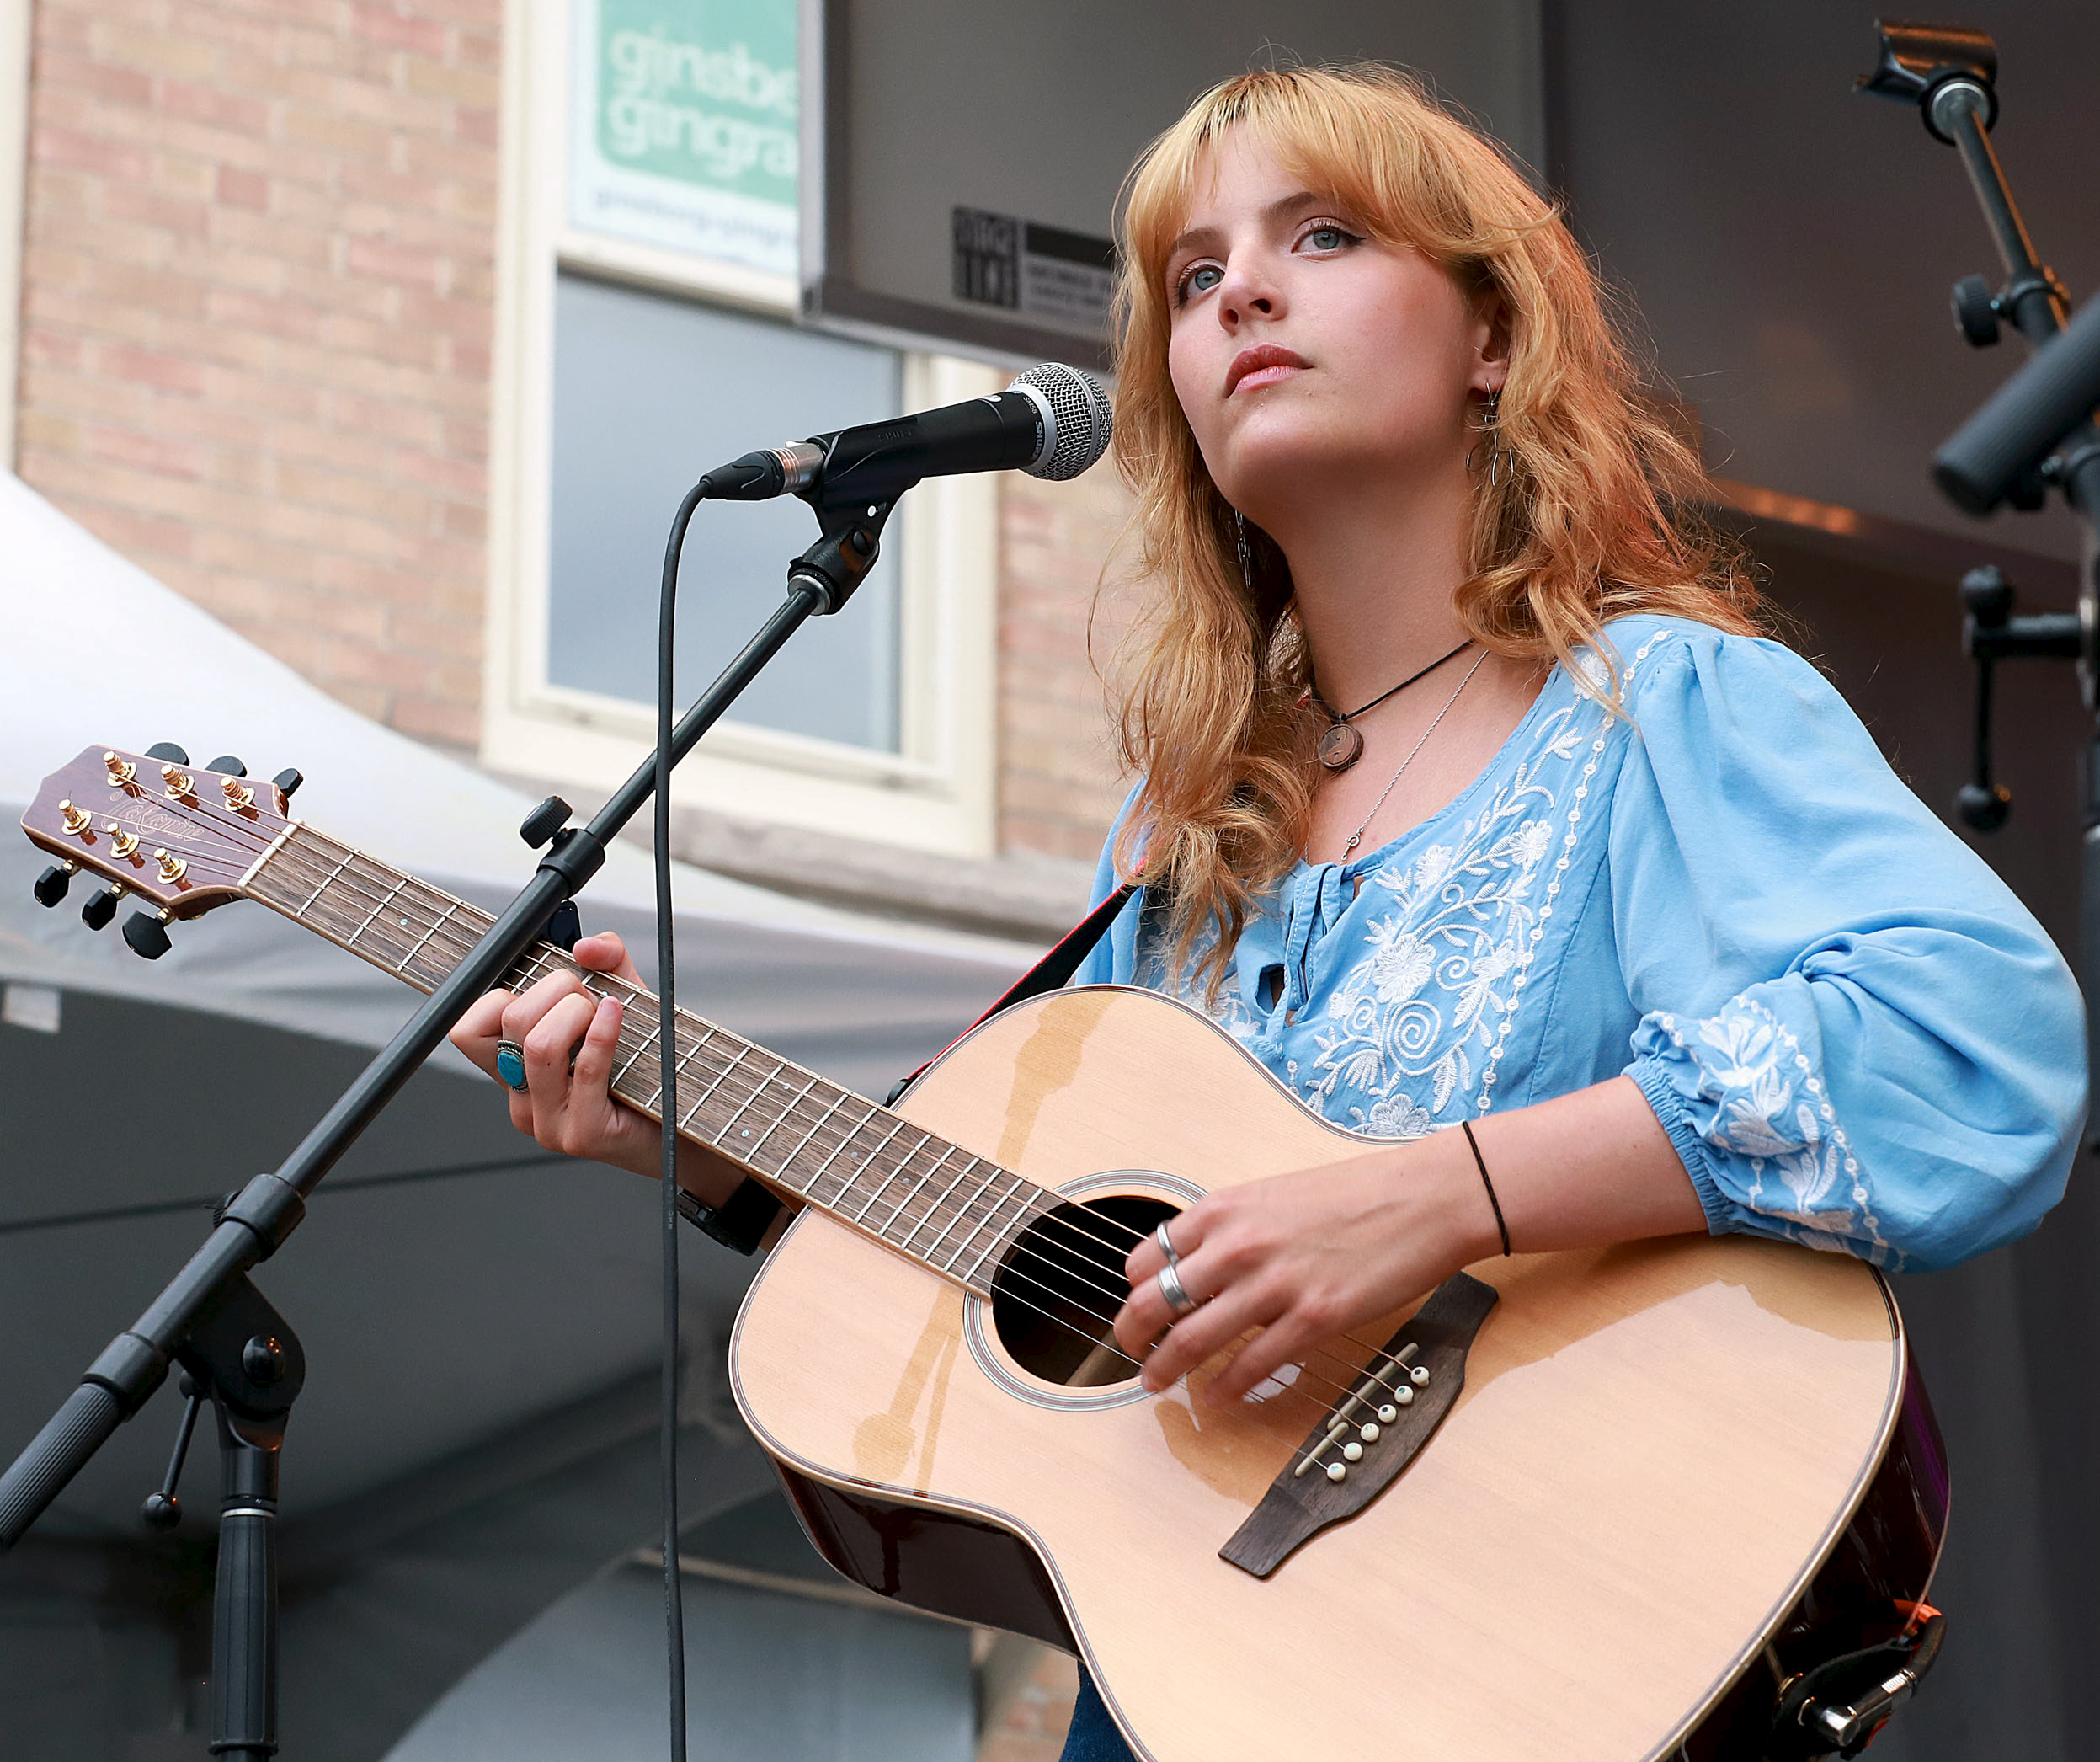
(1302, 349)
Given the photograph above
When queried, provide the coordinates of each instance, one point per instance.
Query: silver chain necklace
(1355, 837)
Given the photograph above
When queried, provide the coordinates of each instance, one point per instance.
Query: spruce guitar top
(1613, 1504)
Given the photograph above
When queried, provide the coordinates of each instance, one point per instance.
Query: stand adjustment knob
(101, 907)
(50, 886)
(544, 821)
(1976, 311)
(145, 936)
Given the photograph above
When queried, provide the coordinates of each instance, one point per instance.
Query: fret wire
(965, 1240)
(364, 897)
(743, 1107)
(869, 1163)
(924, 1181)
(371, 917)
(708, 1033)
(940, 1199)
(824, 1167)
(793, 1102)
(342, 863)
(999, 1205)
(915, 1182)
(801, 1143)
(903, 1172)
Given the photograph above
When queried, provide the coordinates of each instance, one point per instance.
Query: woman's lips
(1263, 366)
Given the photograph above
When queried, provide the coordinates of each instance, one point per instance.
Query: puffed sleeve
(1856, 1036)
(1114, 959)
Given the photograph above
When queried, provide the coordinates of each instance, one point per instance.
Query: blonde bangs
(1599, 517)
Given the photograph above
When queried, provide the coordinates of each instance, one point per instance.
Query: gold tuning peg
(179, 782)
(78, 819)
(122, 842)
(237, 793)
(121, 770)
(173, 868)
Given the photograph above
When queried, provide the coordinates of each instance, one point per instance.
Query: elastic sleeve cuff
(1651, 1075)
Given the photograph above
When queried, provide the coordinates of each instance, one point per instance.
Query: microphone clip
(845, 550)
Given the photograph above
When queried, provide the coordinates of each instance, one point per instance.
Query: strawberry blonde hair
(1595, 515)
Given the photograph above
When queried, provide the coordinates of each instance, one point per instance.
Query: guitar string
(305, 865)
(443, 928)
(546, 958)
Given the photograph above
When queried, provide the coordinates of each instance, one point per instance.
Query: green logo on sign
(703, 92)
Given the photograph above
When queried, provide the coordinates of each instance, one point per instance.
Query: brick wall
(1059, 781)
(256, 271)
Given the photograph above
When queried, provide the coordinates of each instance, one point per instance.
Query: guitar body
(1672, 1465)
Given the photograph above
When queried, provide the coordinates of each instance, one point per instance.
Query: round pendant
(1340, 747)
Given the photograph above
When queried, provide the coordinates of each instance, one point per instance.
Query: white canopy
(161, 1083)
(98, 653)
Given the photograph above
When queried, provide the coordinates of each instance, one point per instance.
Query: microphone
(1053, 422)
(2025, 417)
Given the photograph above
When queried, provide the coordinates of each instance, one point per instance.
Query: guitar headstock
(176, 837)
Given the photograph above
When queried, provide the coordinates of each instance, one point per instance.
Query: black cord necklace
(1342, 746)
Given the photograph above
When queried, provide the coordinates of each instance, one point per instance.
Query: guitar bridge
(1373, 1432)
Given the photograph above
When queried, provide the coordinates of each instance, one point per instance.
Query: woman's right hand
(571, 1041)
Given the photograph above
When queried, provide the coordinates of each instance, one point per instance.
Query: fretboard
(949, 1210)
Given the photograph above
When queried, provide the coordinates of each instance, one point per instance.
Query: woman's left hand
(1302, 1258)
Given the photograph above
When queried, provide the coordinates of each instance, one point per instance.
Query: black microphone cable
(666, 1061)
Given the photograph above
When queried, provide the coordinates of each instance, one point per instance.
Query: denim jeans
(1093, 1737)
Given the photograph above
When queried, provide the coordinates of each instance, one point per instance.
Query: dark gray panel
(913, 108)
(1792, 243)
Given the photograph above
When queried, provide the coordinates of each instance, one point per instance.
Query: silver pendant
(1340, 747)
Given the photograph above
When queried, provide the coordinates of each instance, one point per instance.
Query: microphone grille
(1081, 419)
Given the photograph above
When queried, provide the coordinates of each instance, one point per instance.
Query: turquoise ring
(510, 1064)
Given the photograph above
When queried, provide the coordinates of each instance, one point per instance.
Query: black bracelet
(740, 1222)
(1466, 1126)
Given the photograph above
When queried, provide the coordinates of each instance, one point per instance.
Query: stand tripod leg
(244, 1607)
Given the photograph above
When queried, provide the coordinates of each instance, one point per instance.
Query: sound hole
(1061, 1283)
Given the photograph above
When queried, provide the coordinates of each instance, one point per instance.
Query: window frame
(938, 792)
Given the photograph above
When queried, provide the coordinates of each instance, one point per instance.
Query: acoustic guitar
(1613, 1504)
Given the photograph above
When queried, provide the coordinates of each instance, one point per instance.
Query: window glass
(650, 392)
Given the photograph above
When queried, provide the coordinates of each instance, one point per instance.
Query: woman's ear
(1490, 342)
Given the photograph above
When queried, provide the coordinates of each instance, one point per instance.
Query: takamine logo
(663, 101)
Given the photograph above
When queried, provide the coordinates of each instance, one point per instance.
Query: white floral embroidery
(1770, 1108)
(1413, 1030)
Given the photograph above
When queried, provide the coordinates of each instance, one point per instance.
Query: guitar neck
(810, 1139)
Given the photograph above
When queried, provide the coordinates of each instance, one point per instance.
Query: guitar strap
(741, 1221)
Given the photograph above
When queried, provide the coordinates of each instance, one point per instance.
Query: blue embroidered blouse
(1856, 1036)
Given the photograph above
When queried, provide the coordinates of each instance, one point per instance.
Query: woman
(1470, 793)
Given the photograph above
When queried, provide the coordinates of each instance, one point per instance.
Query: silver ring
(1166, 1242)
(1175, 1293)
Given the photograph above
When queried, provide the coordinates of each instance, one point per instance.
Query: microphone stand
(1950, 73)
(235, 1348)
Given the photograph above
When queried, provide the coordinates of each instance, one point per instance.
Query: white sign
(683, 126)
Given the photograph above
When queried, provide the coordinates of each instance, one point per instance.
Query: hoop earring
(1246, 551)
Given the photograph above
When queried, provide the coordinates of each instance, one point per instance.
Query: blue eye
(1328, 238)
(1201, 280)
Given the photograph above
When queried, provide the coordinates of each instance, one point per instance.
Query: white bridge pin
(1337, 1472)
(1418, 1375)
(1387, 1414)
(1352, 1451)
(1368, 1431)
